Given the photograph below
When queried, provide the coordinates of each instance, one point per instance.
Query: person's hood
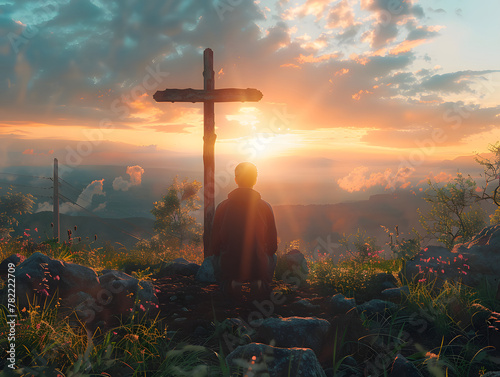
(244, 194)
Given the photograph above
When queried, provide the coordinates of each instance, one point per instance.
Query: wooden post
(57, 234)
(208, 149)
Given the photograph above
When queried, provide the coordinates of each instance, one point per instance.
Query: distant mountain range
(306, 222)
(312, 223)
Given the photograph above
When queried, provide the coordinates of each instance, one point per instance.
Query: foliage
(363, 245)
(491, 168)
(454, 214)
(495, 218)
(403, 248)
(174, 223)
(13, 204)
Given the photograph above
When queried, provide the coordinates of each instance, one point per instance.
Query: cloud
(84, 200)
(358, 179)
(454, 82)
(341, 15)
(135, 173)
(437, 178)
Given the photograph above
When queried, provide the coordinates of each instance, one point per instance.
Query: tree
(174, 223)
(454, 214)
(491, 168)
(11, 205)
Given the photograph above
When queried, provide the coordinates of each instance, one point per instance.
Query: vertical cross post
(208, 149)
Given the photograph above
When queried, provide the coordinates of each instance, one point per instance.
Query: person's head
(245, 174)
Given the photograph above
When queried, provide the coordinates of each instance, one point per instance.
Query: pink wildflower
(36, 229)
(460, 256)
(44, 291)
(426, 249)
(29, 277)
(422, 280)
(57, 277)
(142, 308)
(442, 271)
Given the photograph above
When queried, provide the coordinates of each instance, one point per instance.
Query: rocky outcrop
(179, 266)
(303, 332)
(471, 263)
(98, 301)
(206, 273)
(261, 359)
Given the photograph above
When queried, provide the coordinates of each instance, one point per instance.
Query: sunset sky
(363, 93)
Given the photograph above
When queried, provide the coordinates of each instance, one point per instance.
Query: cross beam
(209, 95)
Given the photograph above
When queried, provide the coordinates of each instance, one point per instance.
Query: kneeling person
(244, 237)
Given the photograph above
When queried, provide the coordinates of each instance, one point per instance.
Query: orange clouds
(358, 179)
(135, 172)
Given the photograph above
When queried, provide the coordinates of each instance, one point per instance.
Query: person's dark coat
(244, 236)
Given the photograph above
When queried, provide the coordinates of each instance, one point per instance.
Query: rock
(304, 332)
(97, 301)
(39, 277)
(492, 374)
(395, 295)
(340, 305)
(401, 367)
(306, 304)
(275, 361)
(376, 306)
(206, 273)
(378, 283)
(179, 266)
(15, 259)
(471, 263)
(296, 267)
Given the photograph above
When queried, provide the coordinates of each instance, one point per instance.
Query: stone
(206, 273)
(306, 304)
(340, 305)
(395, 295)
(296, 267)
(15, 259)
(471, 263)
(303, 332)
(401, 367)
(40, 277)
(259, 359)
(98, 302)
(378, 283)
(179, 266)
(492, 374)
(376, 306)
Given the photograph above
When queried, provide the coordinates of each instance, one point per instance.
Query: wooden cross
(209, 95)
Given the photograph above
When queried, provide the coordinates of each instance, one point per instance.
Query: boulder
(395, 295)
(340, 305)
(15, 259)
(296, 266)
(471, 263)
(39, 278)
(179, 266)
(304, 332)
(97, 301)
(206, 273)
(376, 306)
(401, 367)
(261, 359)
